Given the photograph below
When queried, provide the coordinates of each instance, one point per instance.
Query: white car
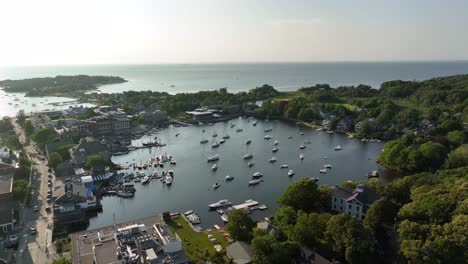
(36, 208)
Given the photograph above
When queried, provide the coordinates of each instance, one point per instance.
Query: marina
(193, 186)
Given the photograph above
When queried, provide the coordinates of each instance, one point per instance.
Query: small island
(68, 86)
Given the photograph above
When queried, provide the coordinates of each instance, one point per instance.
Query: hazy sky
(177, 31)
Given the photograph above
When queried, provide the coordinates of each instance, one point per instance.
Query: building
(100, 126)
(353, 202)
(86, 148)
(72, 202)
(111, 123)
(203, 114)
(6, 181)
(40, 120)
(7, 220)
(73, 128)
(240, 252)
(148, 241)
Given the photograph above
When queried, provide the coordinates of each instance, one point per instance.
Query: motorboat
(319, 129)
(373, 174)
(274, 150)
(137, 180)
(170, 173)
(290, 137)
(173, 162)
(275, 143)
(307, 141)
(268, 129)
(254, 182)
(215, 145)
(125, 194)
(250, 164)
(302, 133)
(327, 166)
(213, 158)
(232, 125)
(273, 159)
(254, 123)
(267, 137)
(216, 185)
(248, 156)
(301, 147)
(178, 134)
(204, 141)
(257, 175)
(221, 203)
(239, 130)
(189, 212)
(350, 136)
(248, 141)
(331, 132)
(314, 179)
(290, 173)
(222, 141)
(229, 178)
(323, 170)
(301, 156)
(168, 180)
(226, 137)
(145, 180)
(225, 218)
(215, 134)
(214, 167)
(284, 166)
(338, 147)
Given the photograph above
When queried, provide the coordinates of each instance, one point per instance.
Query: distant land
(68, 86)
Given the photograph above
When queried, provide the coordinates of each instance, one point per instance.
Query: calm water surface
(192, 186)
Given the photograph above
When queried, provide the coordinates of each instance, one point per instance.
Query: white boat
(302, 133)
(331, 132)
(221, 203)
(338, 147)
(229, 178)
(257, 175)
(307, 141)
(301, 156)
(267, 137)
(284, 166)
(350, 136)
(273, 159)
(214, 167)
(213, 158)
(173, 162)
(215, 145)
(145, 180)
(254, 123)
(248, 156)
(225, 218)
(216, 185)
(323, 170)
(276, 142)
(319, 129)
(274, 150)
(314, 179)
(254, 182)
(137, 180)
(204, 141)
(250, 164)
(125, 194)
(301, 147)
(248, 141)
(327, 166)
(222, 141)
(290, 173)
(268, 129)
(232, 125)
(189, 212)
(168, 180)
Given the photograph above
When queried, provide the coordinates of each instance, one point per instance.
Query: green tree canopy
(302, 195)
(54, 159)
(240, 226)
(93, 161)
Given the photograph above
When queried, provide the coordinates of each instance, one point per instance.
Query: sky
(59, 32)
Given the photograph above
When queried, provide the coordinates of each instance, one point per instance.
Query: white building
(353, 202)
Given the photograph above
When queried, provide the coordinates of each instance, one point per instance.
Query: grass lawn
(195, 243)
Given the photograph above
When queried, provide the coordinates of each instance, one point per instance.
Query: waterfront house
(240, 252)
(326, 122)
(353, 202)
(267, 226)
(343, 125)
(203, 114)
(6, 180)
(86, 148)
(159, 117)
(40, 121)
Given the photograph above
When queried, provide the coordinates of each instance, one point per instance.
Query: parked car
(32, 230)
(36, 208)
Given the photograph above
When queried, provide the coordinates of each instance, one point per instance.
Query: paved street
(35, 248)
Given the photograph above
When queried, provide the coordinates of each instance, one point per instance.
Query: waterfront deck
(245, 205)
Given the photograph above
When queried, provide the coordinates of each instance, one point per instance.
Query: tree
(457, 158)
(54, 159)
(20, 189)
(350, 238)
(301, 195)
(43, 136)
(62, 260)
(381, 211)
(21, 117)
(285, 217)
(309, 229)
(93, 161)
(434, 154)
(63, 151)
(267, 250)
(28, 128)
(240, 226)
(456, 137)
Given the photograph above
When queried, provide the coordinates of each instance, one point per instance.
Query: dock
(245, 205)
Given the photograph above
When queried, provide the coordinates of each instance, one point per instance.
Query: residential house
(353, 202)
(326, 122)
(8, 220)
(78, 154)
(159, 117)
(40, 120)
(100, 126)
(6, 180)
(64, 170)
(343, 125)
(267, 226)
(240, 252)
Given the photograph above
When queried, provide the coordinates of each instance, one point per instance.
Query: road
(35, 248)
